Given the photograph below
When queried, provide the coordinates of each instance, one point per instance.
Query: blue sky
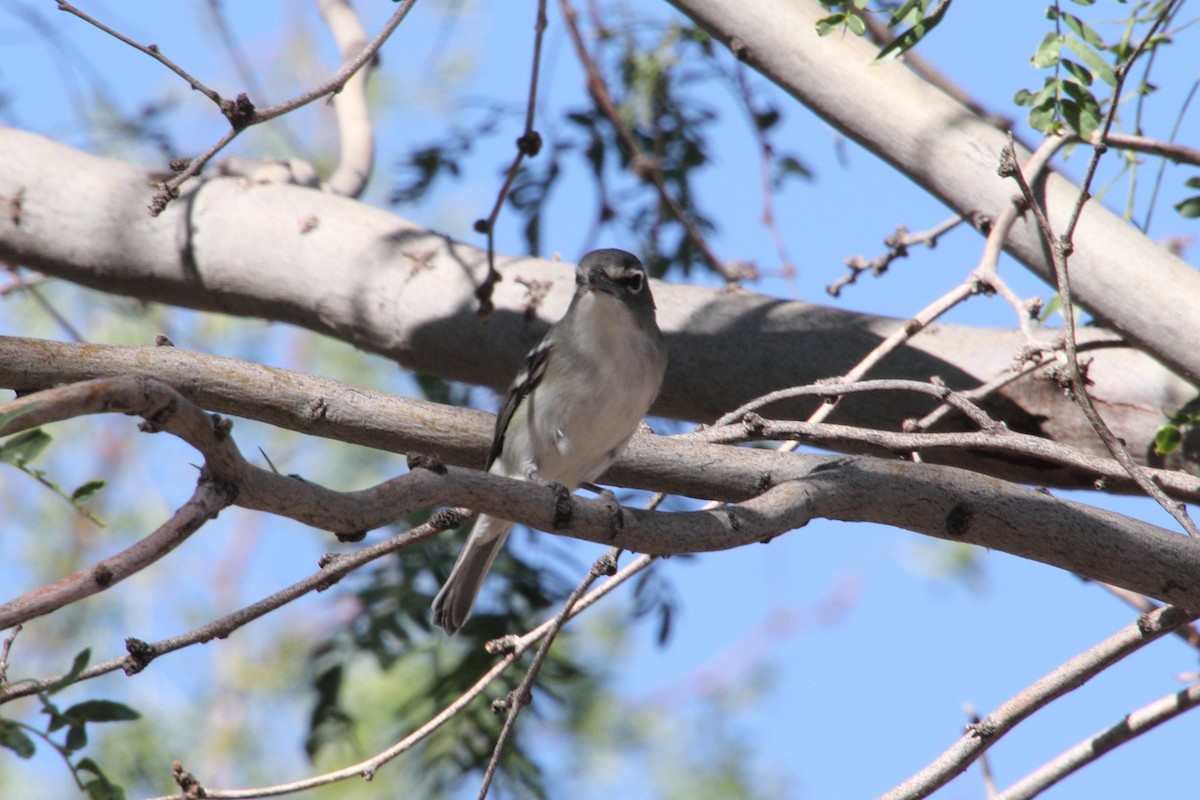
(857, 700)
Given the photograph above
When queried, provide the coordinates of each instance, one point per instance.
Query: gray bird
(574, 406)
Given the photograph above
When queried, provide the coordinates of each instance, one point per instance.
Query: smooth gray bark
(389, 286)
(1118, 274)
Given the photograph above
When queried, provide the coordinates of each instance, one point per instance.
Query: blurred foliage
(71, 726)
(658, 75)
(681, 743)
(424, 671)
(20, 450)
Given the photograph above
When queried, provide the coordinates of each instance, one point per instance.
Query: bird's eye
(634, 281)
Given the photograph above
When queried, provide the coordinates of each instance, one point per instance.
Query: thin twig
(522, 695)
(1059, 252)
(825, 389)
(1179, 153)
(1071, 675)
(982, 278)
(767, 190)
(997, 440)
(985, 765)
(206, 502)
(1145, 605)
(898, 244)
(245, 73)
(150, 50)
(241, 112)
(642, 166)
(333, 569)
(1102, 742)
(36, 293)
(5, 649)
(528, 144)
(512, 647)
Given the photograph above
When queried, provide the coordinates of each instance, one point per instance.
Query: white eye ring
(635, 282)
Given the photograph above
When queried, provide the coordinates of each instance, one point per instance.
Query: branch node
(426, 461)
(1008, 162)
(222, 427)
(502, 646)
(103, 576)
(192, 789)
(984, 729)
(564, 506)
(754, 423)
(529, 144)
(317, 408)
(141, 653)
(606, 565)
(446, 518)
(239, 112)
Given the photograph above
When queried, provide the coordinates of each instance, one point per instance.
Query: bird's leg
(564, 507)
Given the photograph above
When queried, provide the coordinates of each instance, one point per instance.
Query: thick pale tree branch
(1118, 274)
(388, 286)
(357, 152)
(460, 436)
(769, 493)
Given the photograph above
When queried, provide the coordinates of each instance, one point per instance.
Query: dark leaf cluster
(71, 726)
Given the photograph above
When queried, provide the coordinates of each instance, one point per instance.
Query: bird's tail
(453, 603)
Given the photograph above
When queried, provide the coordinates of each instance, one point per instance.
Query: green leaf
(88, 765)
(56, 719)
(77, 666)
(1189, 208)
(790, 165)
(856, 25)
(76, 738)
(1044, 115)
(8, 416)
(1078, 72)
(827, 25)
(101, 789)
(1192, 183)
(1047, 53)
(1094, 60)
(902, 14)
(15, 739)
(1082, 113)
(907, 40)
(100, 711)
(1167, 439)
(1083, 30)
(1083, 2)
(85, 491)
(24, 447)
(765, 120)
